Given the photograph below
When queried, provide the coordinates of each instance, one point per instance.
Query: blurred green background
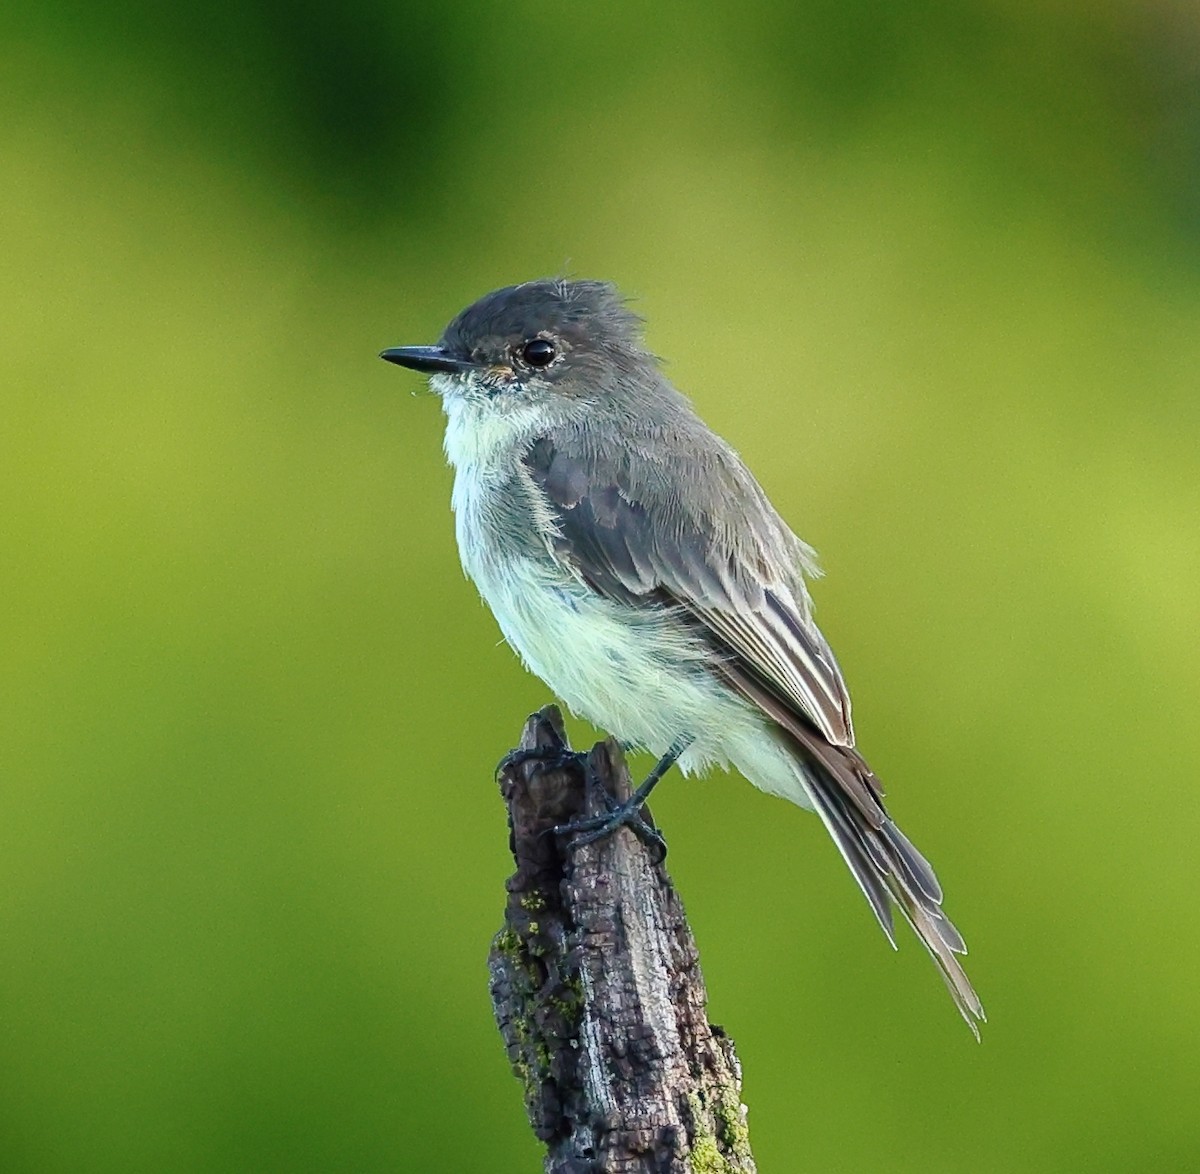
(933, 267)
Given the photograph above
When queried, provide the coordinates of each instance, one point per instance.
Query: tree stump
(596, 985)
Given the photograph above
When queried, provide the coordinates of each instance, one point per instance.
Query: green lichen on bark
(720, 1136)
(733, 1132)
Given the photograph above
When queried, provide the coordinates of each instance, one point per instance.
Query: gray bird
(637, 567)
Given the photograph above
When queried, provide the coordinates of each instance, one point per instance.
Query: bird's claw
(592, 828)
(550, 756)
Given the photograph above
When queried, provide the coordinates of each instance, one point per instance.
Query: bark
(596, 985)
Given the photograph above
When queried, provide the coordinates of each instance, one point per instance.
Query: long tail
(848, 797)
(886, 864)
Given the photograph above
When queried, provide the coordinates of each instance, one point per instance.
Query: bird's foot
(549, 756)
(592, 828)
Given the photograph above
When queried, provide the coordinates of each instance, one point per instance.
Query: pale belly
(638, 676)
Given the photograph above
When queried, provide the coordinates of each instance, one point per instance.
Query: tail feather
(848, 797)
(883, 859)
(858, 852)
(917, 868)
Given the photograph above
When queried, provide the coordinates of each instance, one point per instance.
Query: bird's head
(538, 341)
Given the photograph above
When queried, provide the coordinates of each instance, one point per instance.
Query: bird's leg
(627, 814)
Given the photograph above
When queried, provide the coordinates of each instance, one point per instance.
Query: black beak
(426, 358)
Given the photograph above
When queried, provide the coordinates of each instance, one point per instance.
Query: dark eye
(538, 352)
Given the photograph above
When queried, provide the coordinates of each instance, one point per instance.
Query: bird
(637, 567)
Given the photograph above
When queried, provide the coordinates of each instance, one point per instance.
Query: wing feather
(644, 546)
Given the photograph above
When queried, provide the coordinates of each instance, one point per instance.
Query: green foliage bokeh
(933, 268)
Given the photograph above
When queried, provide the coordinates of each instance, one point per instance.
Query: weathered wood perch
(596, 984)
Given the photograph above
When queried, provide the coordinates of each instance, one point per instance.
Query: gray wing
(626, 529)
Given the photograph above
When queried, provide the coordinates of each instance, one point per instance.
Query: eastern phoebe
(638, 568)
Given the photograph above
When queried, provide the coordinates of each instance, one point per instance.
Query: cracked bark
(596, 985)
